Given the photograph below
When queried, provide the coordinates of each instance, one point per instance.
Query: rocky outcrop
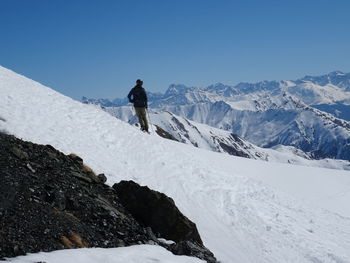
(193, 249)
(162, 133)
(50, 201)
(158, 211)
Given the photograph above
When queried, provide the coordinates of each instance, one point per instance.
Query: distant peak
(218, 84)
(332, 73)
(337, 73)
(177, 88)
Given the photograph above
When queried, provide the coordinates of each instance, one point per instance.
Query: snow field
(245, 210)
(132, 254)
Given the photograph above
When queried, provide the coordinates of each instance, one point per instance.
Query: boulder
(189, 248)
(158, 211)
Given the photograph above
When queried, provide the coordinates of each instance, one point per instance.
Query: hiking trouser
(141, 114)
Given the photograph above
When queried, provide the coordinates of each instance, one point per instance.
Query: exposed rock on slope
(156, 210)
(171, 126)
(51, 201)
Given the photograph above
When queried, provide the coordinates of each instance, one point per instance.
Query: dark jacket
(138, 96)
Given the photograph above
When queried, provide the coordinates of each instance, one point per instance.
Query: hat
(140, 82)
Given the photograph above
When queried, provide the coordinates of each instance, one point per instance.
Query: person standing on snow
(138, 97)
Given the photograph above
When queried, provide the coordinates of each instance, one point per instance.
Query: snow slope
(245, 210)
(289, 123)
(208, 137)
(132, 254)
(269, 113)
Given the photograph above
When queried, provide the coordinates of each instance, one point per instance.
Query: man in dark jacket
(138, 96)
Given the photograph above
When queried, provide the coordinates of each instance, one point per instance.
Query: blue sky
(98, 48)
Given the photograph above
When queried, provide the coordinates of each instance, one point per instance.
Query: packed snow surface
(132, 254)
(245, 210)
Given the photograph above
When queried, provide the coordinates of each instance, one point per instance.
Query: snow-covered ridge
(210, 138)
(312, 90)
(270, 113)
(245, 210)
(295, 124)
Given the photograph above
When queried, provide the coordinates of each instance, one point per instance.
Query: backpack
(139, 97)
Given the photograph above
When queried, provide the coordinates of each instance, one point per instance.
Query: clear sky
(98, 48)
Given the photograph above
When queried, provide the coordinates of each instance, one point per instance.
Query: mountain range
(219, 140)
(310, 114)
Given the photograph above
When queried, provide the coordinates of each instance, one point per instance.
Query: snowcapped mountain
(289, 123)
(218, 140)
(336, 78)
(327, 89)
(330, 89)
(105, 102)
(245, 210)
(270, 113)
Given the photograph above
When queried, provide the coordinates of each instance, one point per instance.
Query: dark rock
(151, 234)
(158, 211)
(60, 200)
(69, 207)
(76, 159)
(82, 177)
(189, 248)
(19, 153)
(163, 133)
(233, 150)
(61, 204)
(101, 178)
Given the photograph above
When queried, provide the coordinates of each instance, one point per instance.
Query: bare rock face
(159, 212)
(163, 133)
(51, 201)
(189, 248)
